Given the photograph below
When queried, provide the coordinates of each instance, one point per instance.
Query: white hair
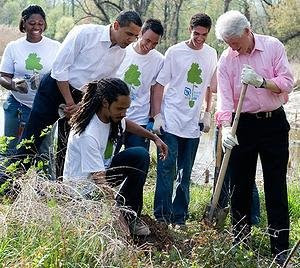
(231, 24)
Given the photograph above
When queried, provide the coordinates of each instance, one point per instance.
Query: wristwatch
(264, 83)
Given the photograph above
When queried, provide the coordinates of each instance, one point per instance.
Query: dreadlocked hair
(95, 92)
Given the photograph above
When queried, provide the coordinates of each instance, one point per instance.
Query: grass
(47, 226)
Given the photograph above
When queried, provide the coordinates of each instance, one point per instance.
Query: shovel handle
(225, 161)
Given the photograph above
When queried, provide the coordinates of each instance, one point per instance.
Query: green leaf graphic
(108, 150)
(191, 103)
(132, 75)
(194, 74)
(33, 62)
(194, 77)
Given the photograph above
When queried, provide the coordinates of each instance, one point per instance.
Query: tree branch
(268, 3)
(289, 37)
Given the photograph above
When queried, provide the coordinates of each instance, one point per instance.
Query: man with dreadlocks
(95, 129)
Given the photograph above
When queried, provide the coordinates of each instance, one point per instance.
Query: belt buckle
(264, 115)
(258, 116)
(268, 114)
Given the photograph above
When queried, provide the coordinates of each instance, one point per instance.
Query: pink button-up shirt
(268, 58)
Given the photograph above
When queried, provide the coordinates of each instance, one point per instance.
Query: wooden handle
(225, 161)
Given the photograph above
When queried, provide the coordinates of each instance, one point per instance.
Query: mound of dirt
(160, 237)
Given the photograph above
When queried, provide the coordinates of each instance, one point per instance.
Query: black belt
(262, 115)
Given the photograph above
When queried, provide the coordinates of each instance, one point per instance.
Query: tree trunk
(226, 5)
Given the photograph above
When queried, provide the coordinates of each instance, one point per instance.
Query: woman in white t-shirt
(23, 64)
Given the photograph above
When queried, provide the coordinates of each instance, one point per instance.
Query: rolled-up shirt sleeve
(66, 55)
(225, 104)
(283, 75)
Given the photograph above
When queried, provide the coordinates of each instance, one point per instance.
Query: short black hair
(126, 17)
(154, 25)
(200, 19)
(27, 12)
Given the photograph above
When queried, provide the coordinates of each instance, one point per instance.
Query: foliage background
(279, 18)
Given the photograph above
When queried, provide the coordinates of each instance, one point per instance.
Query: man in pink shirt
(261, 62)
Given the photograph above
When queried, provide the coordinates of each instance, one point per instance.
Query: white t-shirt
(140, 72)
(90, 151)
(22, 59)
(86, 55)
(186, 74)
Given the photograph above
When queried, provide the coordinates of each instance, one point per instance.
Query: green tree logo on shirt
(132, 75)
(33, 62)
(108, 150)
(194, 77)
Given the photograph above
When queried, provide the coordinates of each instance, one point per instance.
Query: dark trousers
(132, 140)
(44, 113)
(130, 167)
(267, 137)
(225, 190)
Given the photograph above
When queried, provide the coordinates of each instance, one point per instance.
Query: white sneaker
(180, 227)
(139, 228)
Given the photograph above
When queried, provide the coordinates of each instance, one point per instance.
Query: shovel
(216, 194)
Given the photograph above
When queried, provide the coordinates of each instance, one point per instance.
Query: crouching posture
(96, 127)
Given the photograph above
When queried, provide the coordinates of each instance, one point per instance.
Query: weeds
(50, 224)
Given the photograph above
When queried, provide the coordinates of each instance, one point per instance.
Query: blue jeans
(44, 113)
(131, 167)
(172, 193)
(16, 115)
(132, 140)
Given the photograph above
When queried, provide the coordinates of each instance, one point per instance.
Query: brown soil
(163, 237)
(160, 237)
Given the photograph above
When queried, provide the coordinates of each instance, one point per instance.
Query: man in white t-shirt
(90, 156)
(139, 70)
(88, 52)
(188, 70)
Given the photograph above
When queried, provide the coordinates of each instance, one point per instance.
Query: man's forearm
(157, 92)
(208, 100)
(272, 86)
(64, 89)
(139, 131)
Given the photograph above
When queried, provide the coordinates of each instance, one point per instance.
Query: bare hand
(71, 109)
(162, 147)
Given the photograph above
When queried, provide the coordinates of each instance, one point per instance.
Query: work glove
(204, 122)
(61, 110)
(250, 77)
(158, 124)
(35, 81)
(150, 124)
(19, 85)
(228, 141)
